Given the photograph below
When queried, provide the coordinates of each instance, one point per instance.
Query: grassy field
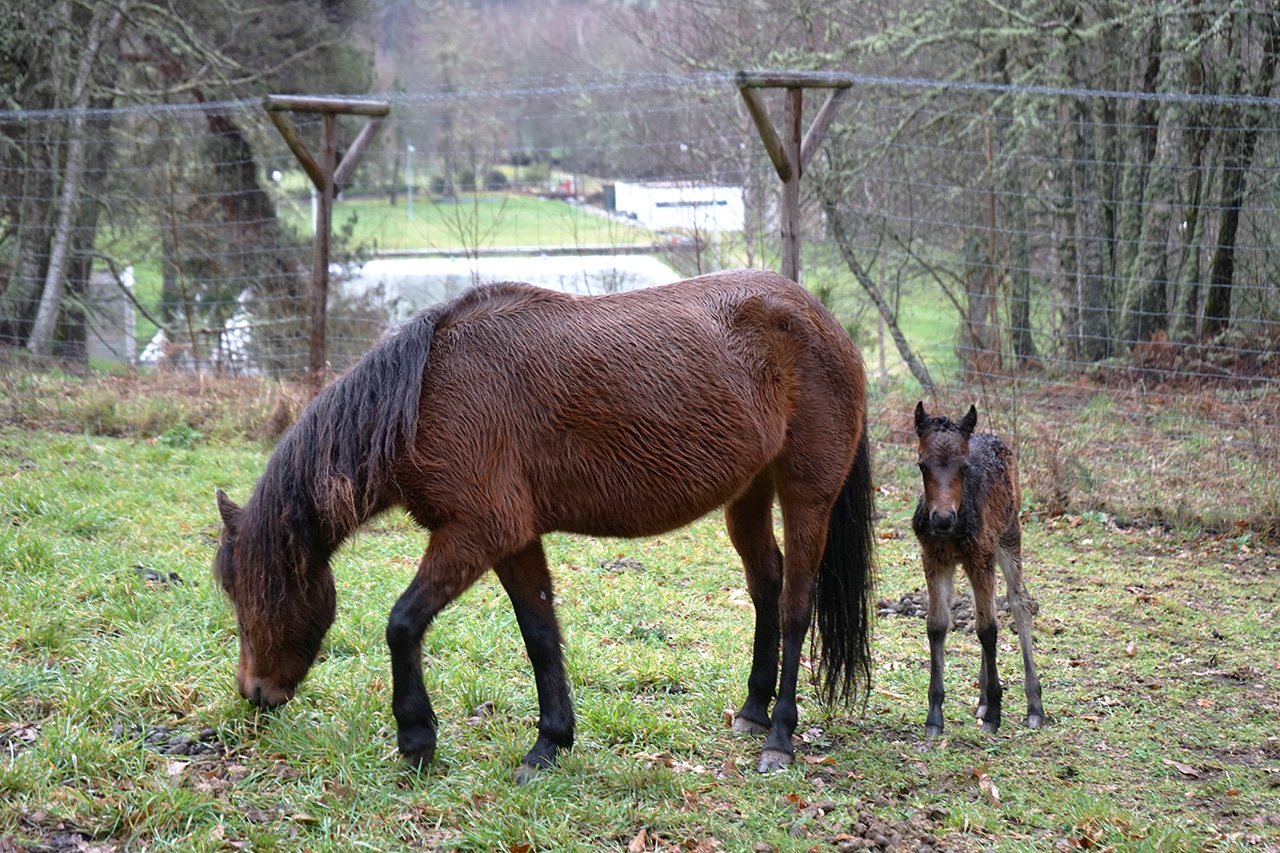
(1157, 648)
(473, 220)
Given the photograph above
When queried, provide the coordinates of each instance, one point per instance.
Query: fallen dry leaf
(988, 787)
(639, 843)
(1185, 769)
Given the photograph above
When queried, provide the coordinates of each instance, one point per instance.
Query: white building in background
(407, 285)
(682, 205)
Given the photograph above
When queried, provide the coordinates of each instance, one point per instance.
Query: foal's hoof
(991, 726)
(773, 759)
(526, 773)
(743, 726)
(933, 731)
(419, 759)
(1035, 721)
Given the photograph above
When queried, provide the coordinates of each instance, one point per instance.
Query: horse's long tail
(843, 589)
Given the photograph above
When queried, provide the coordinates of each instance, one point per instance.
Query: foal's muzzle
(943, 522)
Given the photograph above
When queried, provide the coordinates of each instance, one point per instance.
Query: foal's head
(944, 461)
(283, 595)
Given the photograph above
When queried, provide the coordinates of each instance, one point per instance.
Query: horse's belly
(649, 481)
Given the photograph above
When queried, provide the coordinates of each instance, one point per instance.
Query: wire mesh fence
(1097, 270)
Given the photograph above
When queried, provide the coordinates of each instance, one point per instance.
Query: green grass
(1154, 647)
(474, 220)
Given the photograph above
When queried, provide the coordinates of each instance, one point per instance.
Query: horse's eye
(924, 469)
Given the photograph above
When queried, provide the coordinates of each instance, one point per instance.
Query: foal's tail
(842, 591)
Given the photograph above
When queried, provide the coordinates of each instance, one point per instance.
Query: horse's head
(944, 461)
(283, 605)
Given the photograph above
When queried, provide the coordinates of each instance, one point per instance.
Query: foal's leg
(939, 577)
(447, 568)
(749, 520)
(1010, 558)
(982, 577)
(525, 577)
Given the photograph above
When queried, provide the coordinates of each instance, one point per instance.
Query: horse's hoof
(773, 759)
(1034, 721)
(933, 731)
(991, 726)
(743, 726)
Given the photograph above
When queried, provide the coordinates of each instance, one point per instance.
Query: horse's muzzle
(263, 693)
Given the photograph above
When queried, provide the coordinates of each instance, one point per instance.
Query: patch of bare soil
(916, 604)
(856, 828)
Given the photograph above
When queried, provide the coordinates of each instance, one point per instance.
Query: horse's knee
(405, 625)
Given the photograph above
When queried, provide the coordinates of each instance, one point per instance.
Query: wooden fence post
(791, 153)
(328, 175)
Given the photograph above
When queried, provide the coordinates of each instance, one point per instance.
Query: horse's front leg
(444, 572)
(525, 577)
(982, 577)
(939, 579)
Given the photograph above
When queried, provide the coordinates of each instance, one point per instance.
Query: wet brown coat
(514, 411)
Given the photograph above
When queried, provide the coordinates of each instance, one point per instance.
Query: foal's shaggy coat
(514, 411)
(968, 515)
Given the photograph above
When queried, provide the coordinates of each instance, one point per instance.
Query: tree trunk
(1236, 162)
(98, 149)
(1196, 139)
(1137, 155)
(1093, 294)
(34, 229)
(42, 331)
(1146, 306)
(841, 234)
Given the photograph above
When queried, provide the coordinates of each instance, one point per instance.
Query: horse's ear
(970, 421)
(922, 419)
(228, 509)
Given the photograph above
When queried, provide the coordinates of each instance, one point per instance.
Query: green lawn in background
(484, 220)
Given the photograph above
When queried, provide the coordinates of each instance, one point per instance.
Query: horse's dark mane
(327, 473)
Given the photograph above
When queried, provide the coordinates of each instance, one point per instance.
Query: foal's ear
(922, 419)
(969, 421)
(228, 509)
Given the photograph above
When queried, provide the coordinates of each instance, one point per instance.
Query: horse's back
(630, 413)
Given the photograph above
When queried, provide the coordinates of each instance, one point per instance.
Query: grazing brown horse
(513, 411)
(968, 515)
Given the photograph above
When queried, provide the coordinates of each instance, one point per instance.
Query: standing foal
(968, 515)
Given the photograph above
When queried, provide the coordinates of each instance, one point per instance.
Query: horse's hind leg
(525, 577)
(982, 577)
(445, 571)
(939, 578)
(749, 520)
(804, 531)
(1010, 558)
